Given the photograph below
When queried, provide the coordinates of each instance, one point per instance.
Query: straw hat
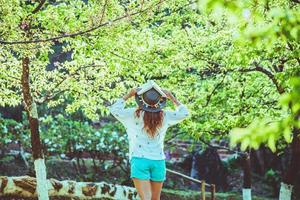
(150, 97)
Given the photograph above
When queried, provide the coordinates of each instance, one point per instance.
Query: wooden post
(202, 182)
(203, 190)
(213, 191)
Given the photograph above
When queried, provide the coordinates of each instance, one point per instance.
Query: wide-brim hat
(150, 97)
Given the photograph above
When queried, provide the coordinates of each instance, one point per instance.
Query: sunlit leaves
(265, 30)
(269, 132)
(200, 55)
(261, 21)
(60, 135)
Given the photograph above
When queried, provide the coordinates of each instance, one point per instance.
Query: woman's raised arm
(181, 112)
(118, 109)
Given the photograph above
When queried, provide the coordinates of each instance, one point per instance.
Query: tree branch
(42, 2)
(80, 32)
(213, 91)
(52, 95)
(221, 147)
(292, 48)
(122, 57)
(103, 11)
(267, 73)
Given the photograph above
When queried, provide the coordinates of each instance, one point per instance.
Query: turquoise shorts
(147, 169)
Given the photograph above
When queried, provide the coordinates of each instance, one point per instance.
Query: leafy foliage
(227, 60)
(64, 136)
(269, 29)
(262, 131)
(11, 132)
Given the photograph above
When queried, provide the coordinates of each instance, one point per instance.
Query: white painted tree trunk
(41, 179)
(25, 186)
(285, 191)
(246, 193)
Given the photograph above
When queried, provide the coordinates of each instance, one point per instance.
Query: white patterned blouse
(140, 143)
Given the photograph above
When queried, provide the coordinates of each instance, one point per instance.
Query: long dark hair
(152, 121)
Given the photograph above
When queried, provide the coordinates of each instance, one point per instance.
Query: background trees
(229, 61)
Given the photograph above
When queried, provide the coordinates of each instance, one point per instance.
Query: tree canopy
(227, 60)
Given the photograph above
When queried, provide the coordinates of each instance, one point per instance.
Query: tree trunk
(37, 154)
(260, 159)
(25, 186)
(293, 168)
(247, 177)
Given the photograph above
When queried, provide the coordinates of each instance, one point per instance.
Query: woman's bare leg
(143, 188)
(156, 189)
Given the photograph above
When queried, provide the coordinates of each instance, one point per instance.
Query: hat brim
(144, 106)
